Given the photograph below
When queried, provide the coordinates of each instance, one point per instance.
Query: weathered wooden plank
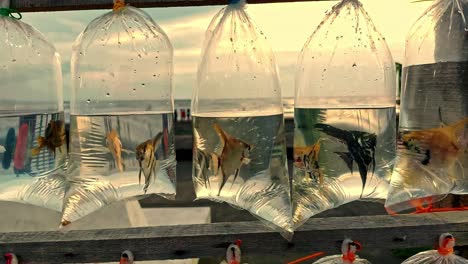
(62, 5)
(178, 242)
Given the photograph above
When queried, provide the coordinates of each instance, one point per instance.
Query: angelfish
(307, 158)
(441, 143)
(361, 149)
(54, 137)
(145, 154)
(115, 147)
(233, 155)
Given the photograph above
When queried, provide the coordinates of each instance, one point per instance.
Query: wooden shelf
(205, 240)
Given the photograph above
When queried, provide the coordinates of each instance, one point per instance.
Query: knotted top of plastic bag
(238, 71)
(28, 63)
(345, 62)
(443, 255)
(122, 55)
(348, 250)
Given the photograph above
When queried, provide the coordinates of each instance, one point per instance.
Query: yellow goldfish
(146, 156)
(442, 144)
(115, 147)
(54, 137)
(233, 155)
(307, 158)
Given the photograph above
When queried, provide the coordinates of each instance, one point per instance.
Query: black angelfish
(361, 147)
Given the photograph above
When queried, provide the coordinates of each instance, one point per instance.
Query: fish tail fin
(222, 135)
(40, 143)
(460, 124)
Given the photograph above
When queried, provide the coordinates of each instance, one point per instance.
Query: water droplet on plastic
(156, 57)
(154, 75)
(107, 94)
(143, 84)
(354, 65)
(324, 70)
(38, 53)
(81, 53)
(337, 38)
(13, 60)
(88, 101)
(134, 71)
(139, 56)
(120, 43)
(217, 58)
(232, 40)
(131, 59)
(134, 89)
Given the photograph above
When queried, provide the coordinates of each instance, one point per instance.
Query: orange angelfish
(442, 144)
(234, 154)
(115, 147)
(307, 158)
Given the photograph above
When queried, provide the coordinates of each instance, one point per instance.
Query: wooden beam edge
(48, 5)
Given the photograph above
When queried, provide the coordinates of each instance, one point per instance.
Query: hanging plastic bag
(32, 129)
(344, 139)
(239, 144)
(432, 147)
(348, 250)
(121, 131)
(443, 255)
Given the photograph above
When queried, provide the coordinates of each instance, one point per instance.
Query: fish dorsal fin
(442, 123)
(157, 140)
(223, 136)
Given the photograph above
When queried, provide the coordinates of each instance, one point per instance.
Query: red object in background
(182, 114)
(21, 147)
(426, 205)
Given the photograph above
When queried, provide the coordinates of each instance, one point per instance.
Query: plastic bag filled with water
(433, 131)
(443, 255)
(33, 147)
(121, 130)
(239, 144)
(344, 137)
(348, 256)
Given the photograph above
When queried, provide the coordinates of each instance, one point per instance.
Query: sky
(287, 26)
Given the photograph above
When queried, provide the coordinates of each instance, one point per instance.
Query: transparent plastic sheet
(433, 131)
(239, 144)
(344, 137)
(121, 128)
(32, 130)
(348, 250)
(443, 255)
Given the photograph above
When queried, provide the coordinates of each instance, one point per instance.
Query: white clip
(126, 257)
